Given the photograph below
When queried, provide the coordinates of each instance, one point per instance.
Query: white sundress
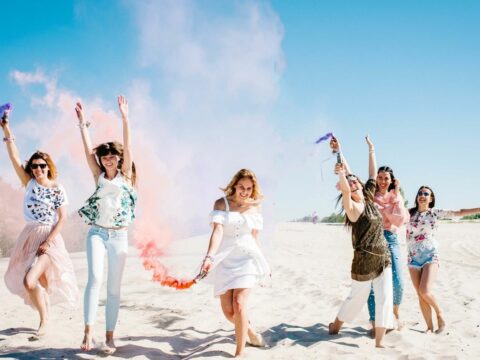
(239, 262)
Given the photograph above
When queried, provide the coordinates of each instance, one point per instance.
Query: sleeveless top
(111, 205)
(40, 203)
(371, 254)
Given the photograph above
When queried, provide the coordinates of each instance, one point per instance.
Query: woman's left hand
(123, 106)
(43, 248)
(396, 183)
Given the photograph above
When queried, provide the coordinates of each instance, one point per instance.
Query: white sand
(310, 280)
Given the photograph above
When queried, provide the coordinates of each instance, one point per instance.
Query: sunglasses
(424, 193)
(35, 166)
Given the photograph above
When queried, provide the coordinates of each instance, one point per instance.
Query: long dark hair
(348, 223)
(414, 209)
(389, 170)
(114, 148)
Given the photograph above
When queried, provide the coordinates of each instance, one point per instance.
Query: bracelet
(209, 257)
(9, 139)
(84, 125)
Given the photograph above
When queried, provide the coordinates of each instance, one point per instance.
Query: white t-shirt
(41, 203)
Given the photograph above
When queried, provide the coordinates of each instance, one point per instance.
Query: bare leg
(226, 301)
(31, 283)
(429, 274)
(416, 276)
(396, 313)
(379, 335)
(372, 330)
(240, 297)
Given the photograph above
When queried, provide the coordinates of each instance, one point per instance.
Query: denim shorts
(422, 258)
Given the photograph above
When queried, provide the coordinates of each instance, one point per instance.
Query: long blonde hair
(229, 190)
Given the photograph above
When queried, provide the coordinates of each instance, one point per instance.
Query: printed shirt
(41, 203)
(112, 204)
(422, 228)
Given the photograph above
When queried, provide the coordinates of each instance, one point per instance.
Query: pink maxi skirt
(61, 284)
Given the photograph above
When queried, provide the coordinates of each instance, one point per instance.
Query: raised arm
(353, 210)
(127, 142)
(87, 143)
(12, 150)
(372, 161)
(336, 148)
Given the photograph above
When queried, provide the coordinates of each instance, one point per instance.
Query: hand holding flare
(150, 253)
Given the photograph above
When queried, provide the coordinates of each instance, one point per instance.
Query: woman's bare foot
(240, 354)
(441, 324)
(332, 330)
(41, 331)
(42, 328)
(109, 347)
(256, 339)
(88, 342)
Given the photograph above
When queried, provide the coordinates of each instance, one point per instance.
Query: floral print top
(421, 231)
(112, 204)
(40, 203)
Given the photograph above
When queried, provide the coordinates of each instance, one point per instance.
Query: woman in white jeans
(371, 257)
(110, 210)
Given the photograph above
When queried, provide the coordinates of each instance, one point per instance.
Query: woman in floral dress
(109, 211)
(423, 259)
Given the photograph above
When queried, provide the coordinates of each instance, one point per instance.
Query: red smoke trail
(152, 239)
(150, 253)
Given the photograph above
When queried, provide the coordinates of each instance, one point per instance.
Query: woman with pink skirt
(40, 270)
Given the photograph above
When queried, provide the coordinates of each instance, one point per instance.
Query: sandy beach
(311, 278)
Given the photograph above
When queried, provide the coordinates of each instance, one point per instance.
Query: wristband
(209, 257)
(9, 139)
(84, 125)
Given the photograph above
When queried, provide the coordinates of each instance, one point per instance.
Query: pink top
(393, 210)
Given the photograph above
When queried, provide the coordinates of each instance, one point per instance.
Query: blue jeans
(394, 247)
(115, 244)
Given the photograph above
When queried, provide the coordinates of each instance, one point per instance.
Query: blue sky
(219, 85)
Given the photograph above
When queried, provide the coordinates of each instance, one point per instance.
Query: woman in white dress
(234, 262)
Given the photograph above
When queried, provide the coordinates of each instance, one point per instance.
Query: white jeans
(382, 286)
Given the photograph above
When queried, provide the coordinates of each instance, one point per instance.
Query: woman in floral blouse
(109, 211)
(423, 259)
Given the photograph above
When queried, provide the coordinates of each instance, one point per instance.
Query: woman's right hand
(207, 265)
(334, 144)
(5, 119)
(79, 111)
